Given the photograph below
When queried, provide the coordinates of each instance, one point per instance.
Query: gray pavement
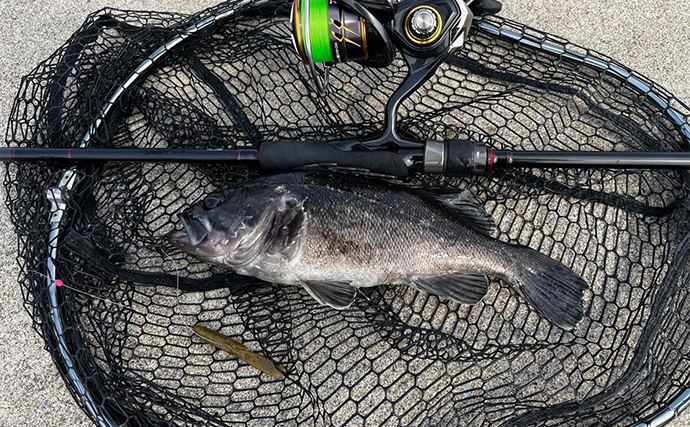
(652, 37)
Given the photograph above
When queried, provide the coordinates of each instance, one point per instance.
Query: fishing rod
(452, 158)
(328, 32)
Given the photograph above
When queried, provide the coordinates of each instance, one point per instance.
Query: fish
(237, 349)
(334, 232)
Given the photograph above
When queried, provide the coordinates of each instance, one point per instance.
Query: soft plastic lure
(236, 348)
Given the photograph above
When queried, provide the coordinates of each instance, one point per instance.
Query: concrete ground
(650, 36)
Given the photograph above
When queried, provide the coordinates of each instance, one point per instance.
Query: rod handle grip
(284, 155)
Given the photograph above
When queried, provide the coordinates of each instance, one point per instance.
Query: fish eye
(212, 202)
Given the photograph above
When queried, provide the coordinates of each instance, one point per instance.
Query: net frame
(58, 195)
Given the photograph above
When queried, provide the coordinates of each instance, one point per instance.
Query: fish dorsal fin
(465, 288)
(465, 207)
(335, 294)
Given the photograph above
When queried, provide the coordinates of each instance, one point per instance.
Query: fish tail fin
(549, 286)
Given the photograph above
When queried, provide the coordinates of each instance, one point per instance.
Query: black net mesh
(399, 356)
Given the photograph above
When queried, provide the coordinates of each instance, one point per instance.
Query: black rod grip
(282, 155)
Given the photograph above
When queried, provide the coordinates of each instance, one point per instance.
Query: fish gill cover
(398, 356)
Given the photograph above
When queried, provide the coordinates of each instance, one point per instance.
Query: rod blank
(595, 159)
(236, 156)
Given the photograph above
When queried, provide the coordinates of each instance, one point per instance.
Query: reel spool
(333, 31)
(336, 34)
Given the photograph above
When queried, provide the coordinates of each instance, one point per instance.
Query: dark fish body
(335, 232)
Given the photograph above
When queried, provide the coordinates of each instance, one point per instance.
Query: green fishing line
(319, 32)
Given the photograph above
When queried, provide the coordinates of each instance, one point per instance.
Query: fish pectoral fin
(465, 288)
(336, 294)
(465, 207)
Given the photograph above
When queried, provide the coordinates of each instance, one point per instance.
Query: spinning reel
(327, 32)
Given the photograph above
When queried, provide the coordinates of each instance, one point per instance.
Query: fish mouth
(197, 229)
(199, 238)
(179, 238)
